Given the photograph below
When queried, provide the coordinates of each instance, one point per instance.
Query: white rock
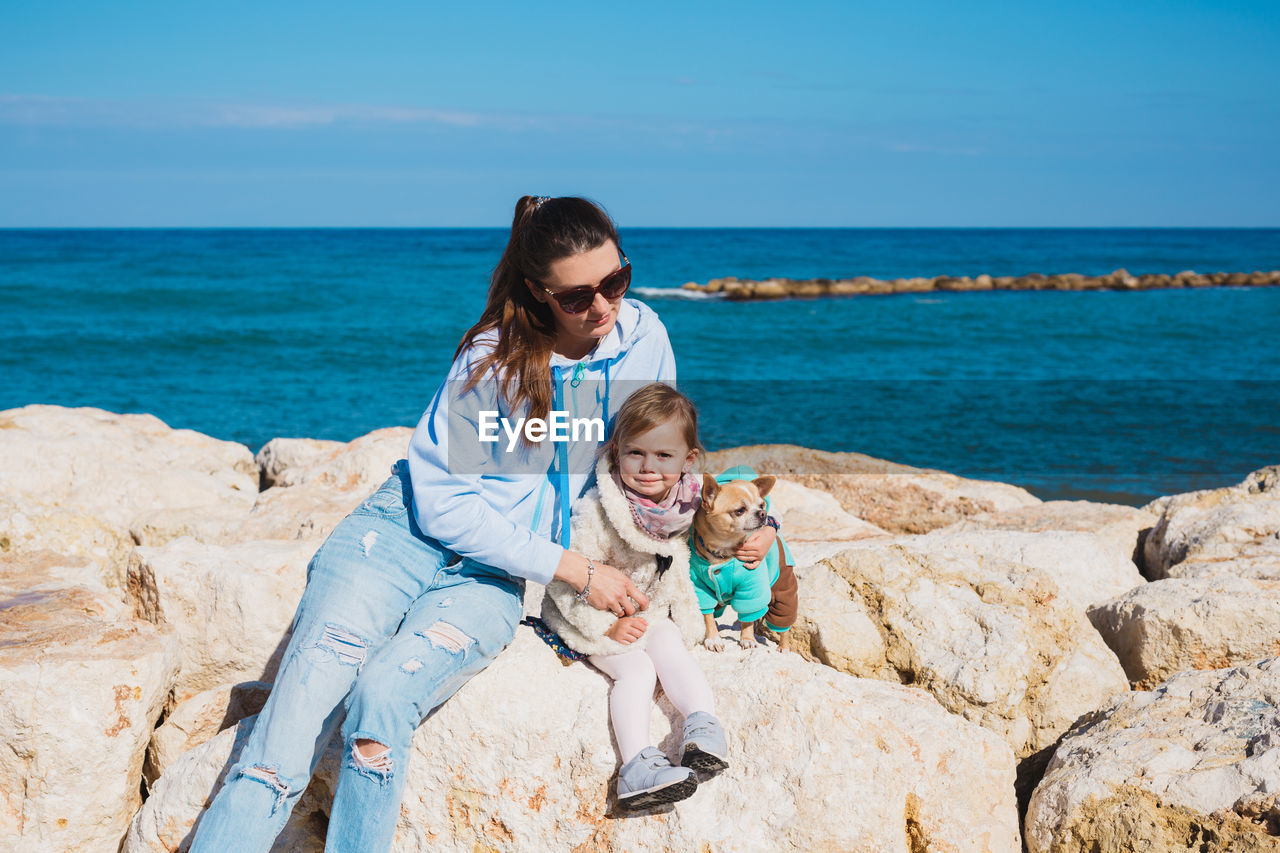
(1085, 570)
(834, 629)
(358, 466)
(1179, 624)
(81, 686)
(1191, 765)
(813, 522)
(1219, 526)
(315, 484)
(198, 719)
(94, 552)
(994, 641)
(117, 468)
(896, 498)
(231, 607)
(819, 761)
(1118, 527)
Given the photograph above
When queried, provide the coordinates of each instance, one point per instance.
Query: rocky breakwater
(151, 574)
(743, 290)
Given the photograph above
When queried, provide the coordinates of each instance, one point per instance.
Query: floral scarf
(673, 516)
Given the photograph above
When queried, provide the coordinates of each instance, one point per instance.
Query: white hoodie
(508, 508)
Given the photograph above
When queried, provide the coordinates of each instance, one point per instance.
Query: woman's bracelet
(591, 571)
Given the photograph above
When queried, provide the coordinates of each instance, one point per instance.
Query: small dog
(732, 509)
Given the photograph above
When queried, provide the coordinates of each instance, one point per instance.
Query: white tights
(664, 658)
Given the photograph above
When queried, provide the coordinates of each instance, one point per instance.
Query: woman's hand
(611, 590)
(627, 630)
(756, 547)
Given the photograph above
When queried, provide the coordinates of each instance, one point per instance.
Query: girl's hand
(756, 547)
(627, 630)
(611, 590)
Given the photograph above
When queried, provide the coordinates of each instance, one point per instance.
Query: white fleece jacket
(604, 529)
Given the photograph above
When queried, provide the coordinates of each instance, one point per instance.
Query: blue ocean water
(330, 333)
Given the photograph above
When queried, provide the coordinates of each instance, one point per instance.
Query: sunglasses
(578, 299)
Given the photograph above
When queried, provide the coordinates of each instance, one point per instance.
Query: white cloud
(44, 110)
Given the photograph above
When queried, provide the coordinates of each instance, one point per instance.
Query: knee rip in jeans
(372, 758)
(451, 638)
(346, 645)
(270, 777)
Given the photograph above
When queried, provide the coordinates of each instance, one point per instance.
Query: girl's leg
(682, 679)
(450, 633)
(630, 700)
(358, 589)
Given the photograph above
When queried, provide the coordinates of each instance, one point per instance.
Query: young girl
(637, 518)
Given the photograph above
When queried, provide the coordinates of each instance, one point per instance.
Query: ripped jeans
(386, 631)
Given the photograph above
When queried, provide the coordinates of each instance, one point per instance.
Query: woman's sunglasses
(579, 299)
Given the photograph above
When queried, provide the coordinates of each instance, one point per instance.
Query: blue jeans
(390, 625)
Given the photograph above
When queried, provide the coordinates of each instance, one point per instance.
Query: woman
(421, 586)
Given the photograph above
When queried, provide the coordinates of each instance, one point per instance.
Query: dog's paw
(749, 642)
(714, 644)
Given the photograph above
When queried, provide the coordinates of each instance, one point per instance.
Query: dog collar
(702, 545)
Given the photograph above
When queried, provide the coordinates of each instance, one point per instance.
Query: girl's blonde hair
(653, 404)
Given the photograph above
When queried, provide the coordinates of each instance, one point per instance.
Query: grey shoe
(704, 748)
(650, 780)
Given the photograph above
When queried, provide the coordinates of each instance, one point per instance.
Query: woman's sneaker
(704, 748)
(649, 780)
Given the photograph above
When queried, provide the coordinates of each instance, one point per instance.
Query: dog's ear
(709, 490)
(764, 484)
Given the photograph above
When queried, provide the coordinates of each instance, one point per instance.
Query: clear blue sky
(690, 114)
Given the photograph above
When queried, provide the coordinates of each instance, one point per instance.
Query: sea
(331, 333)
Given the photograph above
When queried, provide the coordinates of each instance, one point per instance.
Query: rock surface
(834, 628)
(200, 718)
(230, 607)
(313, 485)
(1178, 624)
(743, 290)
(1120, 528)
(1225, 526)
(1085, 570)
(896, 498)
(476, 782)
(81, 687)
(994, 641)
(116, 468)
(1191, 765)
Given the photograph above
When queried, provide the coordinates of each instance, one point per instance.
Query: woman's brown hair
(653, 404)
(543, 231)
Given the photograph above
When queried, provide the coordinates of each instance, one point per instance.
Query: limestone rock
(118, 467)
(98, 551)
(1218, 525)
(868, 766)
(896, 498)
(833, 627)
(284, 461)
(814, 523)
(357, 467)
(1085, 570)
(994, 641)
(1120, 528)
(81, 686)
(313, 485)
(231, 606)
(200, 718)
(1177, 624)
(1191, 765)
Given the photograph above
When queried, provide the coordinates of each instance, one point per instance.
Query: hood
(635, 322)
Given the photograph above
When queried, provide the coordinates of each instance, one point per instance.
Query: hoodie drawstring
(562, 461)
